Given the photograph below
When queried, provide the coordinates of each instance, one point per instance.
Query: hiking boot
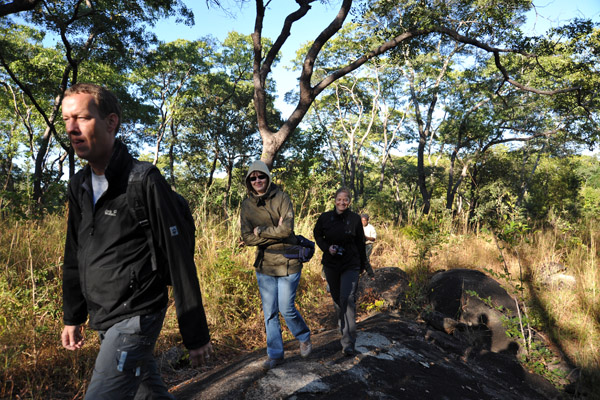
(271, 363)
(348, 351)
(305, 348)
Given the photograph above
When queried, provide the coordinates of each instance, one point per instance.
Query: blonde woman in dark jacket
(267, 221)
(339, 234)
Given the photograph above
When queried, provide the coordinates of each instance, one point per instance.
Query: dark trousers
(125, 367)
(369, 250)
(342, 286)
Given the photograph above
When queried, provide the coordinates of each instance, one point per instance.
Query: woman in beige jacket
(267, 221)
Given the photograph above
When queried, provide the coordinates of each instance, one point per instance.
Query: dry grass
(468, 251)
(392, 248)
(569, 315)
(35, 365)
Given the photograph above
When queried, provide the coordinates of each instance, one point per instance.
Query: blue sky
(217, 23)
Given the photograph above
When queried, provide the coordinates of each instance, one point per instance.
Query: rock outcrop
(396, 359)
(389, 284)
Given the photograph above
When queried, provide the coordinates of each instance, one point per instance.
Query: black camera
(339, 250)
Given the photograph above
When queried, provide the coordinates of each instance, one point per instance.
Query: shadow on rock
(476, 301)
(395, 358)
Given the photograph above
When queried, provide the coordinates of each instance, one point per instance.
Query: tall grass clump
(33, 361)
(570, 312)
(425, 233)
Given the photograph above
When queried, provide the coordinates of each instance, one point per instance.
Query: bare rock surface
(397, 358)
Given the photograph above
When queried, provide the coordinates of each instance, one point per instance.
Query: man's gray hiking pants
(125, 367)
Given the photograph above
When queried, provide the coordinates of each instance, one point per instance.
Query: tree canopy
(443, 82)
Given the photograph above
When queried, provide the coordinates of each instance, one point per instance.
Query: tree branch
(17, 6)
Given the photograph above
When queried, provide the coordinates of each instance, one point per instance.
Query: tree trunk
(421, 174)
(71, 162)
(213, 168)
(527, 181)
(40, 159)
(449, 189)
(172, 164)
(474, 194)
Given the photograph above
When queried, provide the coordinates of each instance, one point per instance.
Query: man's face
(91, 136)
(365, 221)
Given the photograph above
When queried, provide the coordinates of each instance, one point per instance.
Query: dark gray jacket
(107, 272)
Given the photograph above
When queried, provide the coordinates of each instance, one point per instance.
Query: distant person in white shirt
(370, 236)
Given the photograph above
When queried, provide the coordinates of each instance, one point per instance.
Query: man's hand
(201, 355)
(72, 337)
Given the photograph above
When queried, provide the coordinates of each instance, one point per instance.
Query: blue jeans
(125, 367)
(278, 294)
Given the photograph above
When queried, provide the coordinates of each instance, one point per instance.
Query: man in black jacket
(107, 272)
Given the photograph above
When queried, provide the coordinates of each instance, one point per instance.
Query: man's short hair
(365, 216)
(106, 101)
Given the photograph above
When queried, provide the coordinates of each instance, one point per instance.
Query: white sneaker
(305, 348)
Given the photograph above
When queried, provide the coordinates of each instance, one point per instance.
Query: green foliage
(589, 172)
(591, 202)
(308, 177)
(512, 232)
(428, 232)
(559, 177)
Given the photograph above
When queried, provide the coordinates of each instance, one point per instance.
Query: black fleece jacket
(344, 230)
(107, 271)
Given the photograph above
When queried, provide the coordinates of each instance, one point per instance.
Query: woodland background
(469, 143)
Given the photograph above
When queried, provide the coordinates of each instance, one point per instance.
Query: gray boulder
(556, 276)
(389, 284)
(472, 298)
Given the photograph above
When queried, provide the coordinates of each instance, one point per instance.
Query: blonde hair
(343, 190)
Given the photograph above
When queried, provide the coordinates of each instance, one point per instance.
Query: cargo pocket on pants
(134, 349)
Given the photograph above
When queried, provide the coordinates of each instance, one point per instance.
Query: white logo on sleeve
(174, 230)
(110, 213)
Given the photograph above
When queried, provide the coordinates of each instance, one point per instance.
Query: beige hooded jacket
(273, 214)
